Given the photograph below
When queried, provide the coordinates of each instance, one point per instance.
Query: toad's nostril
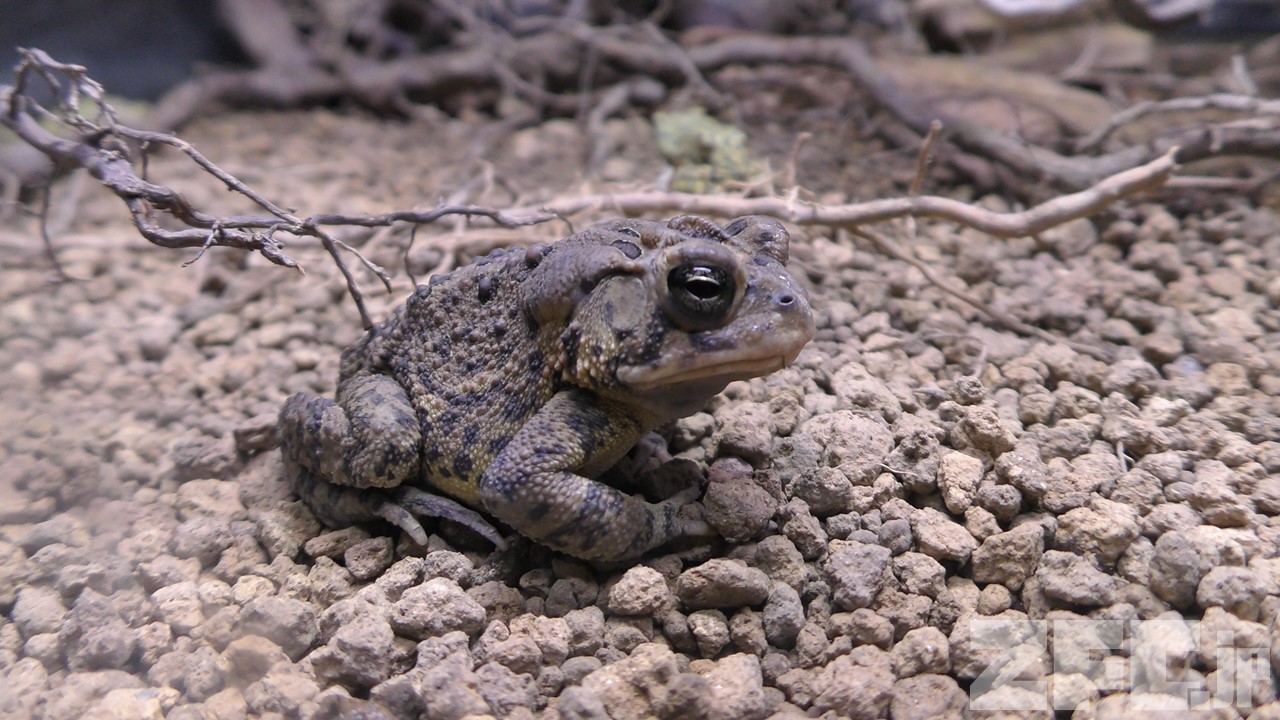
(786, 299)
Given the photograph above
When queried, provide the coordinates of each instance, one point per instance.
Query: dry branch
(1223, 101)
(102, 150)
(890, 248)
(1028, 160)
(1035, 220)
(567, 66)
(634, 48)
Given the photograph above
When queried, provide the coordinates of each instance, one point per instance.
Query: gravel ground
(921, 508)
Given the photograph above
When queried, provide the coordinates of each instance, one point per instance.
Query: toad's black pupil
(700, 281)
(701, 286)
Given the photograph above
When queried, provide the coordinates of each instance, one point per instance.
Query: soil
(923, 507)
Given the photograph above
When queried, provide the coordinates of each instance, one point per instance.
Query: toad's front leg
(534, 484)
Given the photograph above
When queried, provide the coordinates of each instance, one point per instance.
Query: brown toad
(509, 384)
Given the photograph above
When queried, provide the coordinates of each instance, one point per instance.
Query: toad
(509, 385)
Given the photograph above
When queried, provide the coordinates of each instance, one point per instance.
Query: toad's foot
(689, 527)
(410, 502)
(338, 505)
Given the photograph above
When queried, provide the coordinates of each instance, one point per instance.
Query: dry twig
(1037, 219)
(497, 50)
(890, 248)
(924, 156)
(789, 171)
(102, 150)
(1222, 101)
(46, 240)
(1028, 160)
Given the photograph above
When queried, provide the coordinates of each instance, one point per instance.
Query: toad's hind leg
(368, 438)
(534, 484)
(348, 460)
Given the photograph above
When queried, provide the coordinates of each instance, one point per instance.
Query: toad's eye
(700, 284)
(700, 296)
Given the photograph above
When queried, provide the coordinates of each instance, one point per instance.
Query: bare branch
(565, 51)
(46, 239)
(890, 248)
(693, 76)
(789, 170)
(1222, 101)
(266, 32)
(1028, 160)
(102, 151)
(924, 156)
(1015, 224)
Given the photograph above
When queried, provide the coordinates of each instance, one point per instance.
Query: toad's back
(472, 362)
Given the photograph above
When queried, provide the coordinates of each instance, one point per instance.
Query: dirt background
(916, 472)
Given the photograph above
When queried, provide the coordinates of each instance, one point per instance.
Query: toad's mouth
(712, 371)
